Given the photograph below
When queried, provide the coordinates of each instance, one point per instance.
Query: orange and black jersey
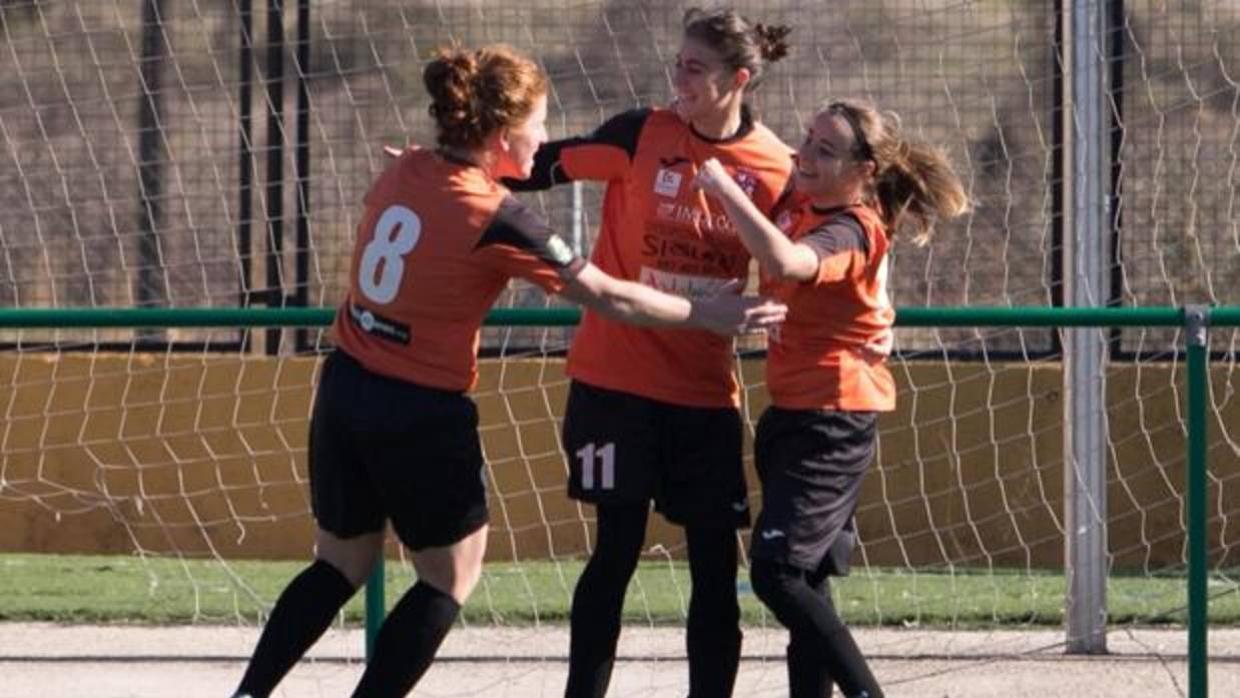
(831, 351)
(437, 243)
(658, 230)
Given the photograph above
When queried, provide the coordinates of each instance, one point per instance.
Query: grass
(118, 589)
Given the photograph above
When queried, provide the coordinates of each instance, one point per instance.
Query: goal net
(211, 153)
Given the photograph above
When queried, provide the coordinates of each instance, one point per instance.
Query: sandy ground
(51, 661)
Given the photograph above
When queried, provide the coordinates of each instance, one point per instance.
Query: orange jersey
(437, 243)
(658, 230)
(831, 351)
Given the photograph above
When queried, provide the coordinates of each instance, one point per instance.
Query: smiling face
(706, 89)
(828, 167)
(517, 144)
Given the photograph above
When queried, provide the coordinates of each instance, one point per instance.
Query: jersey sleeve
(841, 247)
(603, 155)
(520, 243)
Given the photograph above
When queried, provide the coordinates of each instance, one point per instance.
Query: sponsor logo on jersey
(669, 249)
(773, 533)
(740, 506)
(682, 213)
(377, 325)
(667, 182)
(747, 180)
(687, 285)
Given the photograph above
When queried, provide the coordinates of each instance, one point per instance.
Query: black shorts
(627, 450)
(811, 464)
(383, 448)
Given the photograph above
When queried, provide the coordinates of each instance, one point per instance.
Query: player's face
(705, 87)
(827, 167)
(523, 140)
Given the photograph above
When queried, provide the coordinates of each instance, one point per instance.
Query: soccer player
(393, 434)
(653, 414)
(858, 182)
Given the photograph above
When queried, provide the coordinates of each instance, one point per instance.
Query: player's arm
(725, 313)
(518, 242)
(778, 256)
(602, 155)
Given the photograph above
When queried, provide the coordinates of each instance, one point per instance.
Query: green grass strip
(153, 590)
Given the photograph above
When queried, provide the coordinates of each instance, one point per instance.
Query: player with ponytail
(860, 184)
(653, 415)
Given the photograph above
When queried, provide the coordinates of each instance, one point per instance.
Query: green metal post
(376, 607)
(1196, 322)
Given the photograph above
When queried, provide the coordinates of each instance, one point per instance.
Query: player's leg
(598, 599)
(424, 454)
(703, 489)
(416, 627)
(807, 673)
(307, 607)
(610, 439)
(348, 541)
(811, 464)
(812, 617)
(712, 633)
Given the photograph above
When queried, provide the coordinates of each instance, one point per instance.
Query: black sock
(598, 600)
(304, 610)
(807, 673)
(713, 635)
(802, 610)
(407, 642)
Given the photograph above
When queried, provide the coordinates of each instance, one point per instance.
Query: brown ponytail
(740, 43)
(771, 41)
(915, 185)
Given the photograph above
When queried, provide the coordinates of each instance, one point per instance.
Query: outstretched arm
(725, 313)
(604, 154)
(778, 256)
(518, 242)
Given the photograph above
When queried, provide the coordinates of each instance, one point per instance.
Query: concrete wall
(206, 456)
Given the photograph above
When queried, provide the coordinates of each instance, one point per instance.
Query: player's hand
(713, 179)
(729, 314)
(735, 315)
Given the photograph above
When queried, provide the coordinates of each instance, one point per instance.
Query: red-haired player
(393, 434)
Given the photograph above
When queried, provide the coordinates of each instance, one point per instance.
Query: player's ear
(503, 140)
(741, 78)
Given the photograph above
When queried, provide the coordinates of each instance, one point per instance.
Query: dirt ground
(50, 661)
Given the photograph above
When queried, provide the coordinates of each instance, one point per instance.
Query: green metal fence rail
(1195, 320)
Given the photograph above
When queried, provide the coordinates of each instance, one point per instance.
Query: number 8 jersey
(437, 243)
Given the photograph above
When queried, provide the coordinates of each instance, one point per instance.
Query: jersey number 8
(383, 259)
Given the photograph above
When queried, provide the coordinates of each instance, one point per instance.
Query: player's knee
(455, 569)
(456, 580)
(771, 583)
(354, 558)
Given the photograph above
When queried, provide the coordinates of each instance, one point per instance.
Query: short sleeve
(603, 155)
(841, 246)
(519, 243)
